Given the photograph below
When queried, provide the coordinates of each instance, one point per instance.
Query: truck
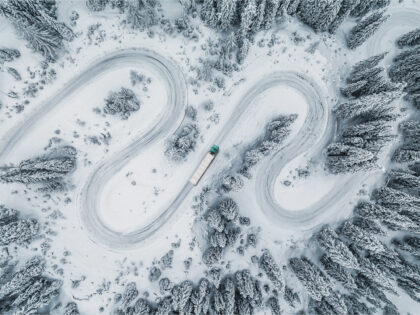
(204, 165)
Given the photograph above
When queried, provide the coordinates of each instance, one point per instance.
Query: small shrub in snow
(231, 183)
(182, 143)
(212, 255)
(123, 103)
(154, 274)
(165, 285)
(71, 309)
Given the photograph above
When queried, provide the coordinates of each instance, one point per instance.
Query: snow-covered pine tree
(142, 306)
(243, 50)
(352, 89)
(368, 225)
(8, 54)
(271, 9)
(360, 237)
(218, 239)
(259, 19)
(392, 219)
(342, 158)
(96, 5)
(141, 14)
(129, 295)
(23, 278)
(291, 297)
(371, 135)
(397, 201)
(230, 44)
(62, 29)
(273, 304)
(228, 209)
(244, 283)
(122, 102)
(180, 295)
(409, 39)
(332, 304)
(409, 244)
(354, 306)
(293, 7)
(377, 275)
(366, 105)
(404, 180)
(180, 144)
(209, 13)
(411, 132)
(316, 283)
(272, 270)
(364, 65)
(19, 231)
(318, 14)
(405, 67)
(338, 272)
(336, 250)
(37, 295)
(218, 303)
(370, 291)
(46, 169)
(415, 168)
(395, 266)
(7, 215)
(364, 7)
(228, 293)
(248, 15)
(368, 81)
(365, 29)
(37, 22)
(346, 7)
(164, 307)
(212, 255)
(215, 220)
(200, 297)
(231, 183)
(227, 14)
(71, 309)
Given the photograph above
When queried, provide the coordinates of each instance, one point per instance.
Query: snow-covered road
(311, 139)
(168, 121)
(312, 132)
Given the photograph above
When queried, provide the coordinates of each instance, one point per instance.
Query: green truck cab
(214, 149)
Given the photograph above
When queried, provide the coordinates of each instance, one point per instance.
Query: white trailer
(204, 165)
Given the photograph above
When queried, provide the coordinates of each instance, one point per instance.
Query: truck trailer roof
(204, 165)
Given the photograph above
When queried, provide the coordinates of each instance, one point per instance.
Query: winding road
(311, 139)
(313, 126)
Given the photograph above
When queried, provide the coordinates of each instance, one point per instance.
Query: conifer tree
(271, 9)
(361, 238)
(227, 13)
(336, 250)
(319, 14)
(316, 283)
(248, 16)
(272, 270)
(365, 29)
(409, 39)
